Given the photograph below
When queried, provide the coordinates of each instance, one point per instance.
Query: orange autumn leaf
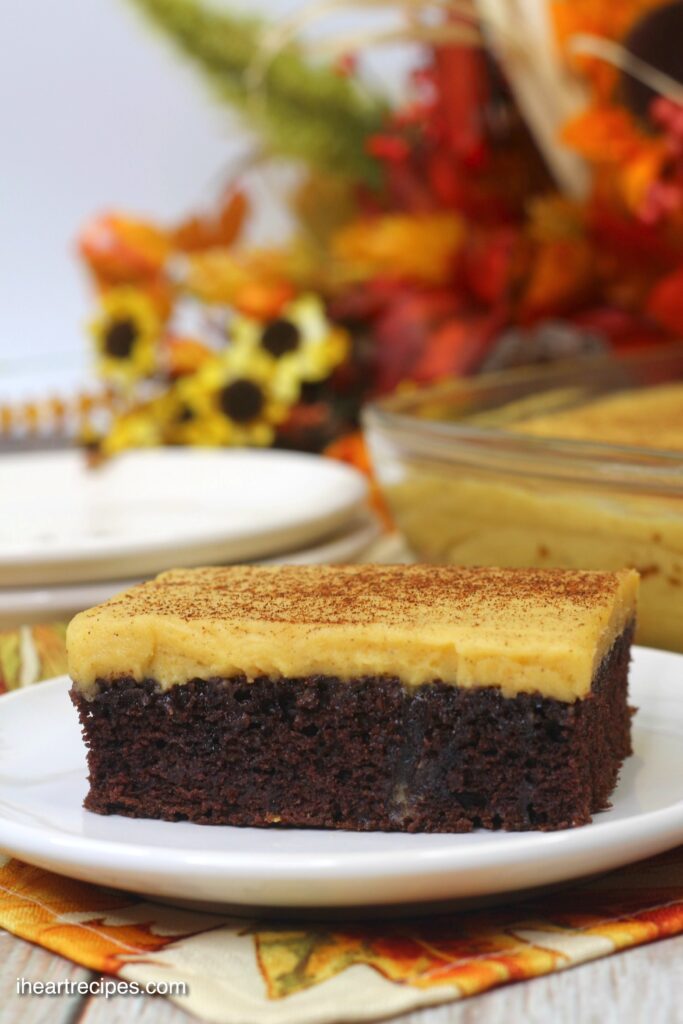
(473, 960)
(664, 920)
(640, 173)
(561, 275)
(609, 138)
(555, 218)
(184, 355)
(257, 281)
(48, 895)
(73, 919)
(599, 17)
(215, 230)
(120, 249)
(352, 449)
(214, 276)
(606, 135)
(421, 248)
(263, 300)
(605, 18)
(630, 927)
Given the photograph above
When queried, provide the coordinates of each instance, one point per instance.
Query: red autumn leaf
(461, 79)
(621, 328)
(489, 262)
(403, 330)
(456, 348)
(665, 302)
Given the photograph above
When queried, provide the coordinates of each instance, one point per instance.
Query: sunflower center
(185, 414)
(120, 337)
(280, 337)
(242, 400)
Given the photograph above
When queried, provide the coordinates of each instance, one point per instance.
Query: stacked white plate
(71, 536)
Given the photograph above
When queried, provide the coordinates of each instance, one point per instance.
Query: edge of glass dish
(397, 420)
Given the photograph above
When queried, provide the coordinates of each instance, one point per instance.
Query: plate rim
(355, 483)
(363, 529)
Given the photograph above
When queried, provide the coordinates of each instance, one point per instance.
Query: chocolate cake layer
(367, 754)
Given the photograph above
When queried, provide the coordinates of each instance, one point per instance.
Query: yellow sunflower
(300, 345)
(231, 400)
(126, 334)
(138, 426)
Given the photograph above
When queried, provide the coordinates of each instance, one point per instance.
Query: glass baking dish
(465, 489)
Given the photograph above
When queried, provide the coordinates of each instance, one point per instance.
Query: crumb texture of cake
(541, 632)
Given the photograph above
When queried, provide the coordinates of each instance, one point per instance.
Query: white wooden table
(640, 986)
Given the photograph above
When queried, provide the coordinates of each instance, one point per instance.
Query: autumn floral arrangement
(524, 202)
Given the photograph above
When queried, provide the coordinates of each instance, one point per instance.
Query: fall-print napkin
(251, 971)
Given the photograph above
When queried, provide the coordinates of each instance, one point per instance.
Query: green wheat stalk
(300, 109)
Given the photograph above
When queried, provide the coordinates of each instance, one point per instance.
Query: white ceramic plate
(146, 510)
(23, 605)
(42, 785)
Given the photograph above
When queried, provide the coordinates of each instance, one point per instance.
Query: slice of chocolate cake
(411, 698)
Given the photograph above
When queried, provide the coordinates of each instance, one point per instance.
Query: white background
(97, 112)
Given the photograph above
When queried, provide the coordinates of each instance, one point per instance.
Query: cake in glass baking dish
(572, 466)
(408, 698)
